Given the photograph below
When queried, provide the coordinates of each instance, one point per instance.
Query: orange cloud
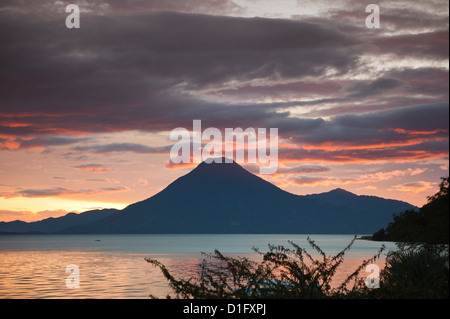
(339, 154)
(302, 180)
(414, 187)
(381, 176)
(413, 133)
(93, 168)
(317, 181)
(172, 165)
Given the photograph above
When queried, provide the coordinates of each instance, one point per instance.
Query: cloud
(368, 187)
(284, 91)
(377, 128)
(58, 191)
(254, 168)
(379, 86)
(143, 182)
(123, 147)
(337, 92)
(381, 176)
(414, 187)
(426, 44)
(392, 134)
(403, 18)
(319, 180)
(103, 7)
(138, 57)
(433, 116)
(12, 143)
(306, 180)
(171, 165)
(93, 168)
(354, 155)
(398, 87)
(148, 70)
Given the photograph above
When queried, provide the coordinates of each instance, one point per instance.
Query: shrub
(415, 274)
(427, 228)
(282, 273)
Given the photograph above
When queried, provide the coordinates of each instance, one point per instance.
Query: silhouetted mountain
(369, 206)
(51, 225)
(225, 198)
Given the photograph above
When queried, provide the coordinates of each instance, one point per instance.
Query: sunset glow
(86, 114)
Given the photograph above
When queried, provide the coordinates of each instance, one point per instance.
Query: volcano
(225, 198)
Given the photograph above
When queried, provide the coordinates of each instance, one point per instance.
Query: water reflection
(117, 269)
(102, 275)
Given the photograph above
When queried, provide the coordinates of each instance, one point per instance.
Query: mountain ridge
(54, 224)
(226, 198)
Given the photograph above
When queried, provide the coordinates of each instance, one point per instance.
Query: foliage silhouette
(282, 273)
(426, 229)
(415, 274)
(419, 269)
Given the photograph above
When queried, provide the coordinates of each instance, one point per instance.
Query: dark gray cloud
(41, 141)
(122, 147)
(121, 73)
(379, 86)
(383, 127)
(145, 70)
(154, 51)
(58, 191)
(197, 6)
(431, 45)
(409, 19)
(102, 7)
(432, 117)
(395, 16)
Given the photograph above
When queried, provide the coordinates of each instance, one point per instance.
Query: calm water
(113, 266)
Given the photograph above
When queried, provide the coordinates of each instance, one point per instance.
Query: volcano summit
(226, 198)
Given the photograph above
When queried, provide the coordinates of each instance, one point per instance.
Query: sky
(86, 113)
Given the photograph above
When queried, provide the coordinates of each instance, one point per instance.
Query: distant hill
(225, 198)
(51, 225)
(374, 209)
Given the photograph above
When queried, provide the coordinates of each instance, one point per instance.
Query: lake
(113, 266)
